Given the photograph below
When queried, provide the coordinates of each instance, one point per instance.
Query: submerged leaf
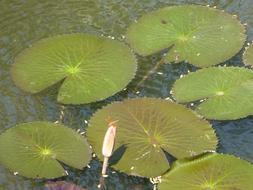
(227, 92)
(248, 55)
(92, 68)
(62, 185)
(209, 172)
(35, 149)
(203, 36)
(146, 128)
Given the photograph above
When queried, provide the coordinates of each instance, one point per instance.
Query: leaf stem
(150, 72)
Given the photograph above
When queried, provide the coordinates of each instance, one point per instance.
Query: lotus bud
(108, 144)
(109, 140)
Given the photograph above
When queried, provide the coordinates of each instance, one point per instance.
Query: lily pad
(36, 149)
(209, 172)
(147, 128)
(248, 55)
(92, 68)
(225, 92)
(62, 185)
(201, 35)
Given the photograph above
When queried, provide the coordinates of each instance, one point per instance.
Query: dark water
(25, 21)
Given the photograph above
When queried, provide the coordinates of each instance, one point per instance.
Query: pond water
(23, 22)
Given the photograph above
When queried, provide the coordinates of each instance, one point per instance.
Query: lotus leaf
(226, 92)
(146, 129)
(92, 68)
(248, 55)
(209, 172)
(201, 35)
(36, 149)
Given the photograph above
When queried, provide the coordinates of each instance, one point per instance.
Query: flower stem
(105, 164)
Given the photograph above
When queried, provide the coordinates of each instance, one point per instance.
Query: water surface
(23, 22)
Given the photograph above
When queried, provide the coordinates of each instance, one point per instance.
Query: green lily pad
(248, 55)
(201, 35)
(147, 128)
(209, 172)
(226, 92)
(36, 149)
(92, 68)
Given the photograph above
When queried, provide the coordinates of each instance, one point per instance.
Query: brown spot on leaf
(164, 22)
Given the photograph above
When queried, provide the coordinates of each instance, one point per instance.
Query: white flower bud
(109, 140)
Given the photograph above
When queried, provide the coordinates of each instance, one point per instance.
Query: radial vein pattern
(92, 68)
(209, 172)
(146, 128)
(35, 149)
(203, 36)
(226, 92)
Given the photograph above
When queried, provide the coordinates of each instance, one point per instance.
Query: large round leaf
(201, 35)
(227, 92)
(248, 55)
(93, 68)
(35, 149)
(146, 128)
(209, 172)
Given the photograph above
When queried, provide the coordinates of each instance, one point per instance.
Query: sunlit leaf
(146, 128)
(203, 36)
(92, 68)
(36, 149)
(209, 172)
(227, 92)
